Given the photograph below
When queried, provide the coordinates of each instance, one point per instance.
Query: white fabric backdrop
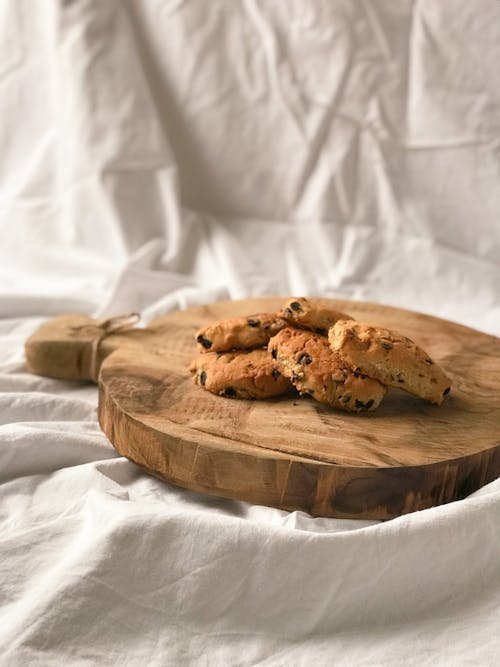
(160, 153)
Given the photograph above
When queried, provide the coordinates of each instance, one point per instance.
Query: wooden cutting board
(294, 453)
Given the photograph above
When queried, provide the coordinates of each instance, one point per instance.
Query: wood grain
(292, 452)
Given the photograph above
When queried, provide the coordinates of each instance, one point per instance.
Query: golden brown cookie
(390, 358)
(242, 374)
(239, 333)
(306, 358)
(314, 314)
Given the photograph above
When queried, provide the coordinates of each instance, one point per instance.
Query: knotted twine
(111, 325)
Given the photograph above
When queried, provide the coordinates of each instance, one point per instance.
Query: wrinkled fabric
(157, 154)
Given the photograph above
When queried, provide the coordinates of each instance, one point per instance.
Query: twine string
(109, 326)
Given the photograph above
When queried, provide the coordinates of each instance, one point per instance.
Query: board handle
(73, 347)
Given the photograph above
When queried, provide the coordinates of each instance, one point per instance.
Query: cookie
(242, 374)
(306, 358)
(239, 333)
(315, 314)
(390, 358)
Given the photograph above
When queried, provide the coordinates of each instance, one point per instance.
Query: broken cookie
(306, 358)
(391, 358)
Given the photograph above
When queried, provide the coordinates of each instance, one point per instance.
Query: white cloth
(161, 153)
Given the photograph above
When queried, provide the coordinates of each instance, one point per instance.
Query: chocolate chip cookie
(242, 374)
(306, 358)
(391, 358)
(239, 333)
(314, 314)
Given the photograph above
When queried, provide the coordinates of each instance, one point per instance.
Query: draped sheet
(161, 153)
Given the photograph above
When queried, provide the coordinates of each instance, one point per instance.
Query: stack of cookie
(319, 352)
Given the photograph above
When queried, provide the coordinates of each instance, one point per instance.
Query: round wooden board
(297, 454)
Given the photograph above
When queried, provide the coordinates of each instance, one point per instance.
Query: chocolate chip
(274, 352)
(295, 377)
(275, 373)
(203, 378)
(446, 391)
(207, 344)
(305, 359)
(387, 346)
(320, 331)
(228, 392)
(364, 406)
(252, 322)
(345, 399)
(295, 305)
